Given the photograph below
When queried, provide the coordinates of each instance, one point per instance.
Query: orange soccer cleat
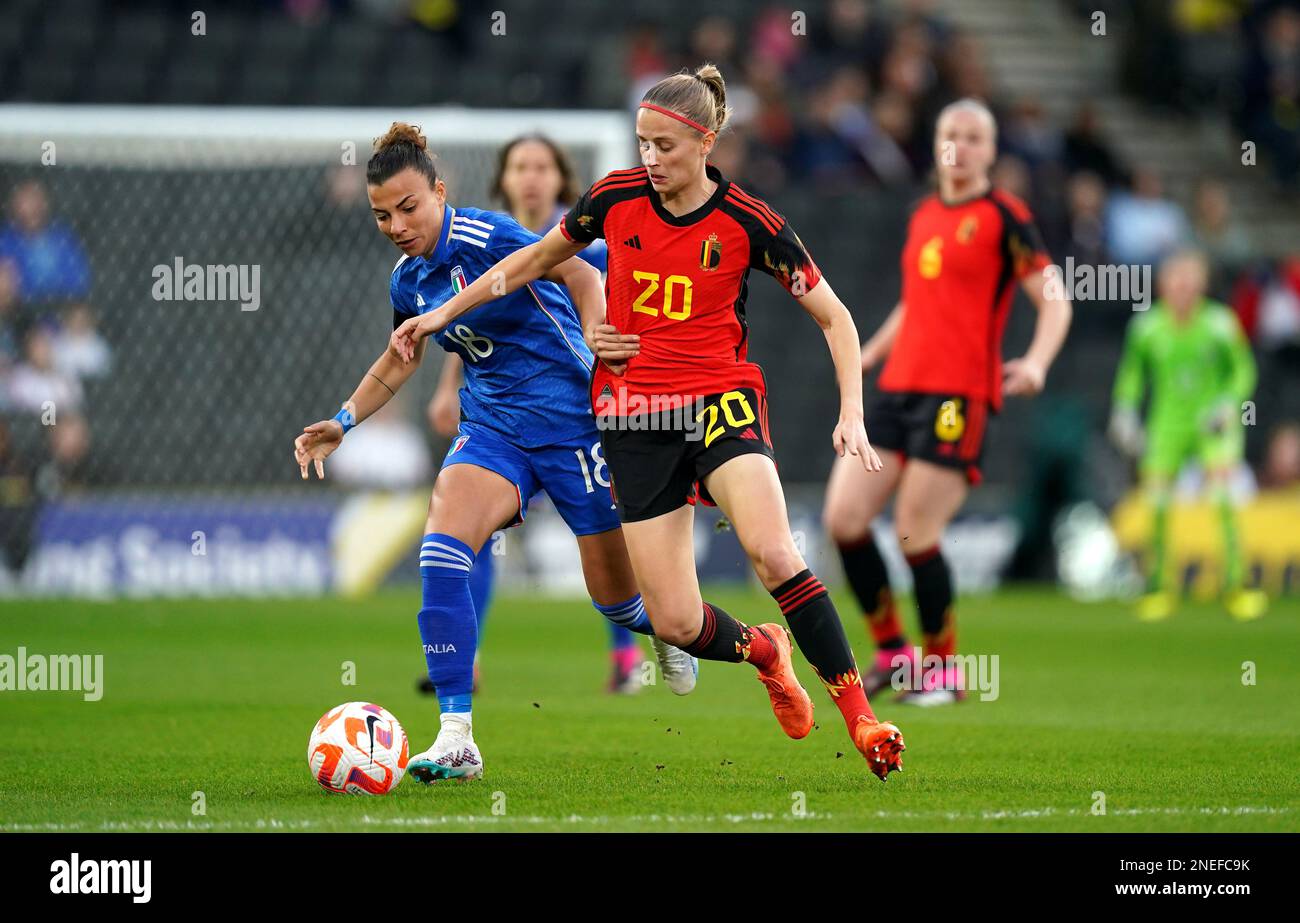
(790, 702)
(881, 743)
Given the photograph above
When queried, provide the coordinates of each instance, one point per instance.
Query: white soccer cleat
(679, 668)
(454, 755)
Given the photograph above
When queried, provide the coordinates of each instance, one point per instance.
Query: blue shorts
(573, 474)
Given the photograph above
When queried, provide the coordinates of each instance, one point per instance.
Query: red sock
(816, 626)
(849, 697)
(942, 643)
(757, 648)
(885, 628)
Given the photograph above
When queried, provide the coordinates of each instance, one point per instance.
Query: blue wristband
(346, 420)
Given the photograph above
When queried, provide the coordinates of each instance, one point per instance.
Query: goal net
(133, 415)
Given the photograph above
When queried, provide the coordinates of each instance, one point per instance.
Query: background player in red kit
(967, 245)
(682, 240)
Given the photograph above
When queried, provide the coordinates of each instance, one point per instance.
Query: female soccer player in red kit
(967, 245)
(683, 414)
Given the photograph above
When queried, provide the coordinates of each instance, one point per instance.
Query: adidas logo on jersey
(634, 242)
(419, 300)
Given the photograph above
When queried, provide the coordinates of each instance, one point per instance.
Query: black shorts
(945, 429)
(658, 461)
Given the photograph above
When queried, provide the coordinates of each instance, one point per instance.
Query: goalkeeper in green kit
(1192, 354)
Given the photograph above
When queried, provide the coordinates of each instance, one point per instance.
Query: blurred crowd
(51, 353)
(854, 105)
(850, 102)
(1239, 57)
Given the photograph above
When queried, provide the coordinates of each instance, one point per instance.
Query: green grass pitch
(219, 696)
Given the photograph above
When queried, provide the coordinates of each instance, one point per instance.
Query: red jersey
(960, 265)
(679, 282)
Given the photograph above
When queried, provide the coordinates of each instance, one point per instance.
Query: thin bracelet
(382, 382)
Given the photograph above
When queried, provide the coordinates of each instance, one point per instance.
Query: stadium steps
(1041, 45)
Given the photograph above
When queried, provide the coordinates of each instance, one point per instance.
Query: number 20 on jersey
(674, 303)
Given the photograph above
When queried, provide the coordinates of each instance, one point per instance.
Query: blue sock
(481, 577)
(447, 625)
(620, 639)
(624, 618)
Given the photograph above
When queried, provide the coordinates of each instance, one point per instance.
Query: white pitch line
(445, 820)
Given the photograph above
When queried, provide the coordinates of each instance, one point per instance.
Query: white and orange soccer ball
(358, 749)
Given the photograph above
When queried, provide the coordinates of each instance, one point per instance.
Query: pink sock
(885, 657)
(628, 658)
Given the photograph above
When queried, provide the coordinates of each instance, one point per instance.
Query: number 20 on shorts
(736, 411)
(676, 298)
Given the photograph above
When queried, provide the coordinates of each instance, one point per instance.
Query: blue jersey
(527, 369)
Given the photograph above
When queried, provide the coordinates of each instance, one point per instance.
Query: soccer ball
(358, 749)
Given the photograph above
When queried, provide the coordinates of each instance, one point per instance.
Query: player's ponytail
(699, 99)
(711, 77)
(402, 147)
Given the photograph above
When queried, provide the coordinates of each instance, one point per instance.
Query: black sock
(933, 588)
(816, 626)
(725, 638)
(864, 568)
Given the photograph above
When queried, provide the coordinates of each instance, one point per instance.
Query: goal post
(600, 141)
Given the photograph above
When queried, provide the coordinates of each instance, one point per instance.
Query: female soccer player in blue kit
(526, 426)
(536, 184)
